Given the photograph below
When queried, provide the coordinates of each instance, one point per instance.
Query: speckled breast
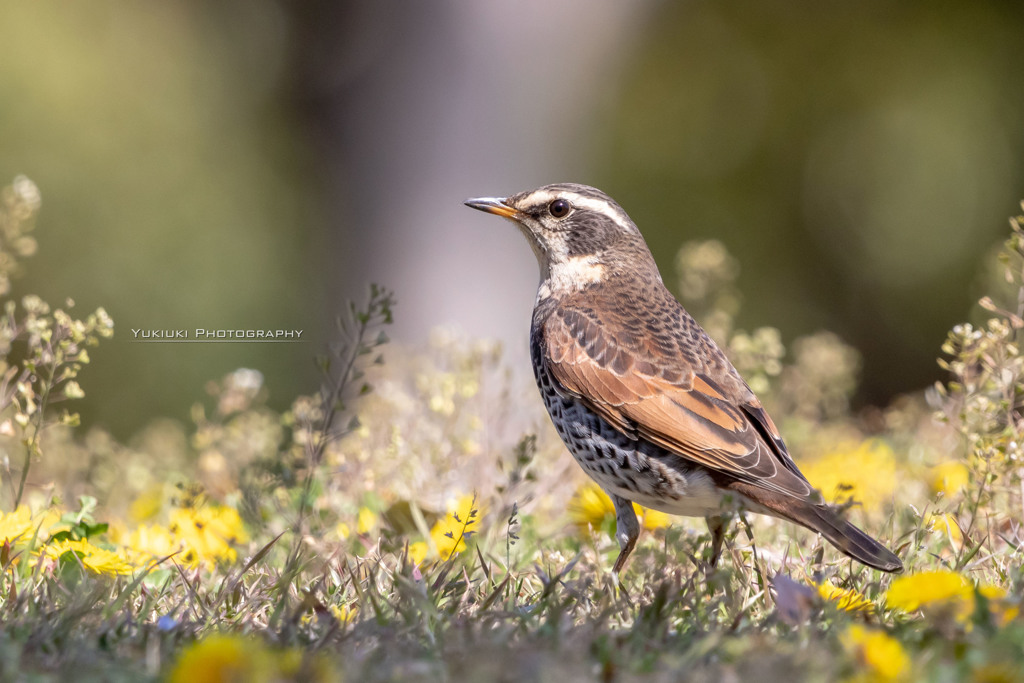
(634, 469)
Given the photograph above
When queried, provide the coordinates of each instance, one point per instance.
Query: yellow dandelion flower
(210, 531)
(366, 520)
(418, 552)
(223, 659)
(882, 655)
(948, 592)
(343, 613)
(590, 507)
(16, 525)
(50, 523)
(937, 587)
(95, 559)
(949, 478)
(654, 519)
(845, 599)
(865, 472)
(947, 525)
(449, 534)
(156, 542)
(117, 533)
(344, 530)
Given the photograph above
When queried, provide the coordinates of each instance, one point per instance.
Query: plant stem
(32, 445)
(317, 440)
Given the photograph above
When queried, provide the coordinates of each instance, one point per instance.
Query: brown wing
(671, 385)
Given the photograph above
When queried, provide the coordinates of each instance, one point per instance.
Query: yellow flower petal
(220, 659)
(845, 599)
(936, 587)
(865, 472)
(210, 531)
(449, 534)
(155, 542)
(590, 506)
(95, 559)
(418, 552)
(366, 520)
(946, 525)
(343, 613)
(878, 652)
(16, 525)
(949, 477)
(654, 519)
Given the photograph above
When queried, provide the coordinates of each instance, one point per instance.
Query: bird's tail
(826, 521)
(846, 537)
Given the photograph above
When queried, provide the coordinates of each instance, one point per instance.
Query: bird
(645, 401)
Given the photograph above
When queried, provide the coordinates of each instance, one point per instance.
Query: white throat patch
(571, 275)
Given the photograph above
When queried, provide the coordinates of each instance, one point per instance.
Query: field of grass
(418, 519)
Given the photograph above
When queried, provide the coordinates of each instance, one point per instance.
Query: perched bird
(643, 398)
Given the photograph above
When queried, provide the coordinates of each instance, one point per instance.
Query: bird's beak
(493, 205)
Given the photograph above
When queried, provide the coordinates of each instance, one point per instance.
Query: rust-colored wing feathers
(706, 414)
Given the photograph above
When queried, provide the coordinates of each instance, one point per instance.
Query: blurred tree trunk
(410, 108)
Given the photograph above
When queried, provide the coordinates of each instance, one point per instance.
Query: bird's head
(579, 234)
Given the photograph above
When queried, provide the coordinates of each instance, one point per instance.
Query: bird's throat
(569, 276)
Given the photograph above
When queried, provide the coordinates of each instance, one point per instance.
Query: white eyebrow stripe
(583, 202)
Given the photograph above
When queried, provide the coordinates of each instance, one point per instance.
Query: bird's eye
(559, 208)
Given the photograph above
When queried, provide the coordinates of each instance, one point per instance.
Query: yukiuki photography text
(216, 335)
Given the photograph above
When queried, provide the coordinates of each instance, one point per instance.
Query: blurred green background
(254, 164)
(172, 192)
(860, 160)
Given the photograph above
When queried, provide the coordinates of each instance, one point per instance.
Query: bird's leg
(627, 530)
(717, 525)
